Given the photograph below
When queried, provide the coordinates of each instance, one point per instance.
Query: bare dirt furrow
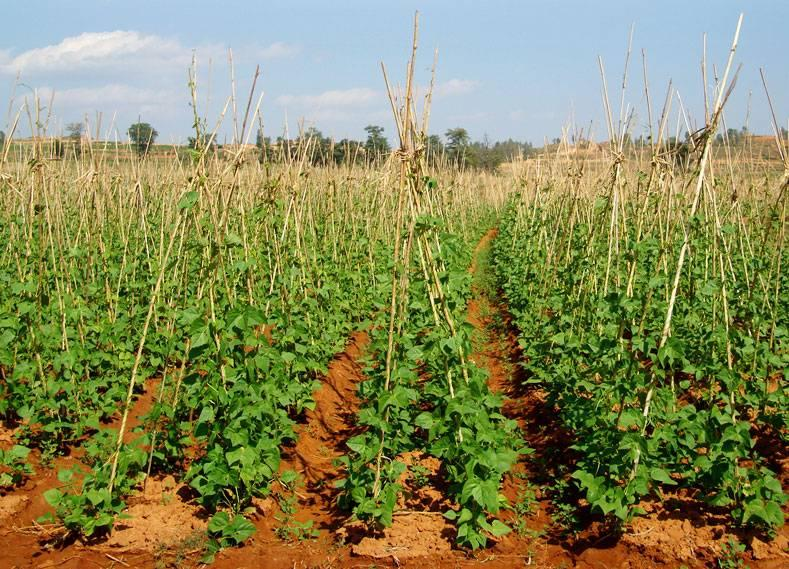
(678, 531)
(320, 440)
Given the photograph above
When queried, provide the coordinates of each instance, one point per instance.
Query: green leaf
(53, 496)
(188, 201)
(239, 530)
(65, 476)
(424, 420)
(660, 475)
(218, 522)
(289, 476)
(499, 528)
(96, 497)
(357, 444)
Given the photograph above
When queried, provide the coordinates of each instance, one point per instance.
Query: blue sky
(506, 69)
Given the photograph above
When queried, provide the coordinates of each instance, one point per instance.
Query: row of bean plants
(226, 288)
(661, 337)
(231, 285)
(423, 394)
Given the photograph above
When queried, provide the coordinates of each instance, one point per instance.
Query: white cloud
(331, 99)
(278, 50)
(92, 50)
(455, 87)
(121, 51)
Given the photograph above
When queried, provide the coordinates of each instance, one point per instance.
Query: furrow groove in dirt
(166, 527)
(677, 532)
(320, 440)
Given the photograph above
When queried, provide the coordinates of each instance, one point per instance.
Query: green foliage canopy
(142, 136)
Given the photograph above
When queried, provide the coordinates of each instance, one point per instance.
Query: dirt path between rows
(321, 439)
(166, 529)
(677, 532)
(158, 514)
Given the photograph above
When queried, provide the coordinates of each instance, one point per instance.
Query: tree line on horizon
(455, 147)
(141, 136)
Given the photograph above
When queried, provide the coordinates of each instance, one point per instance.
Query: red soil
(165, 529)
(29, 544)
(675, 532)
(320, 440)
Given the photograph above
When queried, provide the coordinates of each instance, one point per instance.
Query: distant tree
(348, 151)
(264, 146)
(74, 131)
(2, 139)
(457, 144)
(457, 138)
(505, 151)
(484, 154)
(376, 143)
(435, 148)
(260, 140)
(142, 136)
(202, 142)
(319, 146)
(434, 143)
(320, 150)
(784, 133)
(733, 135)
